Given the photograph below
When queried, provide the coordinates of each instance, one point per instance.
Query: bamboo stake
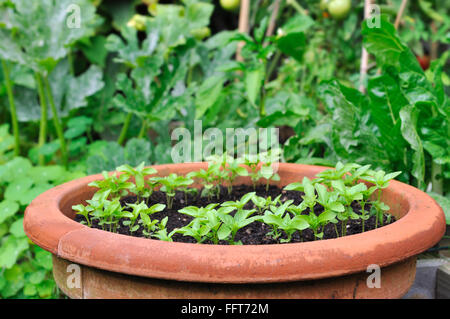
(273, 18)
(400, 13)
(243, 25)
(364, 54)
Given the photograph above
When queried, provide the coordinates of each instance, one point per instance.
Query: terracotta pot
(120, 266)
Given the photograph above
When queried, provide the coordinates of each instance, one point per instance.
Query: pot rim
(46, 225)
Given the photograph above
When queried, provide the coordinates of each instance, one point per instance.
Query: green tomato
(339, 9)
(201, 33)
(324, 5)
(230, 5)
(309, 56)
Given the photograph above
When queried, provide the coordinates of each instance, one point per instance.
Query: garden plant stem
(56, 121)
(123, 132)
(143, 129)
(43, 121)
(12, 106)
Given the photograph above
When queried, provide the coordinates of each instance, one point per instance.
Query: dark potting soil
(252, 234)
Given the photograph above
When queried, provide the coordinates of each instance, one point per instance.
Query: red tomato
(424, 61)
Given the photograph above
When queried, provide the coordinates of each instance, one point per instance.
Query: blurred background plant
(77, 101)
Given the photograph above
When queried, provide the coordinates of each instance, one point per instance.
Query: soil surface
(254, 233)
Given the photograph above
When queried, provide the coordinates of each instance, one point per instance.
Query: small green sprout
(278, 219)
(137, 210)
(381, 181)
(325, 177)
(234, 170)
(252, 161)
(152, 226)
(306, 186)
(170, 184)
(264, 203)
(196, 229)
(266, 171)
(207, 179)
(231, 224)
(138, 174)
(116, 186)
(108, 213)
(239, 204)
(197, 212)
(84, 211)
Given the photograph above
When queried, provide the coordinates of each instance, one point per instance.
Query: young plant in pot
(311, 234)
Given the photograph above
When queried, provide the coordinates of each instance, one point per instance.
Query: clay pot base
(395, 281)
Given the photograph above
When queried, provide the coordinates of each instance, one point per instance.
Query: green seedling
(381, 181)
(252, 161)
(162, 233)
(264, 203)
(205, 216)
(137, 210)
(196, 229)
(84, 211)
(355, 175)
(152, 226)
(234, 169)
(108, 213)
(286, 223)
(325, 177)
(306, 186)
(277, 218)
(330, 202)
(170, 184)
(231, 224)
(379, 209)
(366, 196)
(138, 174)
(239, 204)
(268, 174)
(208, 179)
(317, 222)
(347, 195)
(116, 186)
(197, 212)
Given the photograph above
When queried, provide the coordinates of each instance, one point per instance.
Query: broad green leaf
(40, 174)
(14, 281)
(292, 44)
(253, 82)
(16, 189)
(11, 249)
(44, 259)
(138, 151)
(16, 228)
(208, 94)
(19, 166)
(45, 288)
(408, 116)
(29, 290)
(383, 42)
(7, 209)
(444, 202)
(38, 43)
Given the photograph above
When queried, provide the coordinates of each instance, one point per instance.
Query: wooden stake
(364, 53)
(243, 25)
